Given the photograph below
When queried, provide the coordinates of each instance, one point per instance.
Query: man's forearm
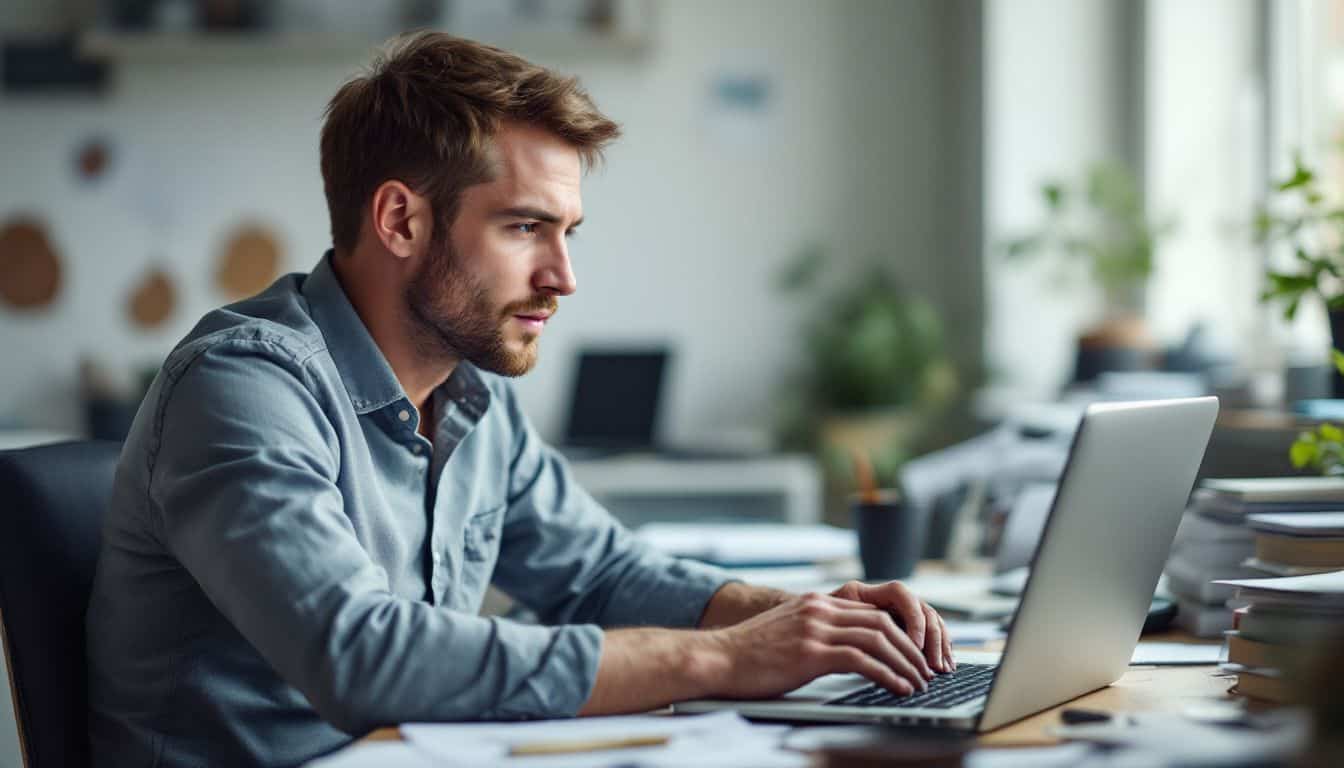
(643, 669)
(648, 668)
(735, 602)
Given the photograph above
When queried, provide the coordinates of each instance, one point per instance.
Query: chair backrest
(54, 501)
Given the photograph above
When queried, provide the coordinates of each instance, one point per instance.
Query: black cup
(890, 538)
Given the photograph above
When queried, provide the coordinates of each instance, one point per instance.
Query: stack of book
(1215, 542)
(1283, 624)
(1292, 544)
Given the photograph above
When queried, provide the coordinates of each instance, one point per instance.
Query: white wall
(1054, 103)
(686, 228)
(1205, 162)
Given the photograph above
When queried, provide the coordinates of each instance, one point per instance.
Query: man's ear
(402, 220)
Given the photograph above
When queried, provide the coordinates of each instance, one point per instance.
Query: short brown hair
(425, 114)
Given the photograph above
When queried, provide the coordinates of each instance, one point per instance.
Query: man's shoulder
(274, 324)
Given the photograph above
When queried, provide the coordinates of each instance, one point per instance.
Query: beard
(451, 315)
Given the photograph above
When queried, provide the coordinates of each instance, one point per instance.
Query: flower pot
(1337, 341)
(1118, 343)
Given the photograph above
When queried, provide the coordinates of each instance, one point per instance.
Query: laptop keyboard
(969, 681)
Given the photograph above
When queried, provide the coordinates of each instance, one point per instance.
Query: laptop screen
(615, 399)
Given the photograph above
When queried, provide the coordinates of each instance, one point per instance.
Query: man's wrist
(737, 601)
(706, 661)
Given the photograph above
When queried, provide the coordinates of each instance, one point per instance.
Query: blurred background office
(835, 237)
(835, 229)
(855, 232)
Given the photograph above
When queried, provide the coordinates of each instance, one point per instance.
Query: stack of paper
(719, 739)
(1216, 541)
(1284, 617)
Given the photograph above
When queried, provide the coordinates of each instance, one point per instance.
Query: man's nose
(556, 274)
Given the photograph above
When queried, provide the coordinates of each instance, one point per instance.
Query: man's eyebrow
(534, 213)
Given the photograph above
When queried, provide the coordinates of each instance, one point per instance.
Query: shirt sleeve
(565, 557)
(242, 487)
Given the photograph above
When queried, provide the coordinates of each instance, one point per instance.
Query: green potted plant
(1321, 449)
(1100, 230)
(1298, 216)
(874, 365)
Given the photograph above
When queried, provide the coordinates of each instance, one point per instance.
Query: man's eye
(527, 227)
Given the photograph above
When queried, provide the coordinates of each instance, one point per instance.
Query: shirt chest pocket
(481, 536)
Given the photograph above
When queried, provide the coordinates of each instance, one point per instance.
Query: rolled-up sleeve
(565, 557)
(243, 489)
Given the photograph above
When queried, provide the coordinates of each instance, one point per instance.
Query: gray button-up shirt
(286, 562)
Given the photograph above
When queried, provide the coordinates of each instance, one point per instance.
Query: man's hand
(922, 624)
(756, 643)
(813, 635)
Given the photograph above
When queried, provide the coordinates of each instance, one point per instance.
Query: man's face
(487, 289)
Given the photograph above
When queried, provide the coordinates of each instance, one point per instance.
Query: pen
(590, 745)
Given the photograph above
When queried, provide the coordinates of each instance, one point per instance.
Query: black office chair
(51, 520)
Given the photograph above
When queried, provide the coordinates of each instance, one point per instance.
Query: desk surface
(1140, 689)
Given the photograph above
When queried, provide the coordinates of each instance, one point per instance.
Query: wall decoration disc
(92, 159)
(30, 270)
(249, 262)
(153, 300)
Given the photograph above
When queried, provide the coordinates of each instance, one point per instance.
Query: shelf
(263, 47)
(792, 482)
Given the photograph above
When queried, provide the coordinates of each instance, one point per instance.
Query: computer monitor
(615, 399)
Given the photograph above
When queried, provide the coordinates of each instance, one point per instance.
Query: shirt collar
(367, 376)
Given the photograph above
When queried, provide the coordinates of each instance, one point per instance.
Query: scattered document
(974, 632)
(1177, 654)
(376, 754)
(1061, 756)
(718, 739)
(741, 544)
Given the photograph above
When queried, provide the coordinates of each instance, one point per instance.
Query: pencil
(590, 745)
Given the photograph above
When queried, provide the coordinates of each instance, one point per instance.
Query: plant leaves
(1302, 454)
(1053, 192)
(1302, 176)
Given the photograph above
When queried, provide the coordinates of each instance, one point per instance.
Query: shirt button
(404, 415)
(415, 448)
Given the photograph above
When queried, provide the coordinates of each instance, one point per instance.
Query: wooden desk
(1141, 689)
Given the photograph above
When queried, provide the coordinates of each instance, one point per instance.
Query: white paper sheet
(1175, 654)
(1061, 756)
(718, 739)
(379, 754)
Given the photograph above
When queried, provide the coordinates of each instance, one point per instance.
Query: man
(324, 478)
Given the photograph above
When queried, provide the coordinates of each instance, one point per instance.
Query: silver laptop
(1129, 473)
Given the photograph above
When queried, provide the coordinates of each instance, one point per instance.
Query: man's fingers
(933, 635)
(882, 622)
(852, 660)
(947, 645)
(875, 644)
(893, 596)
(933, 639)
(844, 602)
